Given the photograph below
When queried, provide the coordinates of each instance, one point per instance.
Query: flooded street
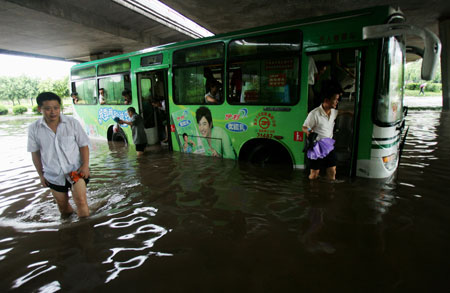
(173, 222)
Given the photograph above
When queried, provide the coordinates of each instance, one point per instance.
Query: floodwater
(171, 222)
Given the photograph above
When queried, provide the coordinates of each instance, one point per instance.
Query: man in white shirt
(321, 121)
(60, 152)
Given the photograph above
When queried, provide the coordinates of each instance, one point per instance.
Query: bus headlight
(390, 162)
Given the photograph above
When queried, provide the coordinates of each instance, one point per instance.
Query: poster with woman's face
(201, 135)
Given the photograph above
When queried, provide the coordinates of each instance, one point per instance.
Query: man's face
(50, 110)
(334, 101)
(102, 92)
(204, 127)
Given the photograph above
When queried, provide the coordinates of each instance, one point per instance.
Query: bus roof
(385, 10)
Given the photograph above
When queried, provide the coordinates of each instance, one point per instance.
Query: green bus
(245, 95)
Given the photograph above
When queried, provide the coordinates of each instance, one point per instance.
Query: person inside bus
(236, 85)
(159, 88)
(321, 121)
(219, 143)
(161, 119)
(126, 94)
(319, 77)
(213, 96)
(137, 130)
(74, 96)
(102, 96)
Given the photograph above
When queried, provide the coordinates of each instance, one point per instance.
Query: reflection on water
(176, 222)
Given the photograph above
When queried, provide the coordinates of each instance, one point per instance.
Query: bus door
(153, 100)
(343, 66)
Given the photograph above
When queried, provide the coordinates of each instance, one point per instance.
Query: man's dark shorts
(141, 147)
(327, 162)
(64, 188)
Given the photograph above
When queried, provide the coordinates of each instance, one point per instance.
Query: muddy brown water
(171, 222)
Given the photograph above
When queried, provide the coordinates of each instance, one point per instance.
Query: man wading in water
(60, 152)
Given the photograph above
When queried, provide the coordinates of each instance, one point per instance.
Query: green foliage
(413, 69)
(434, 87)
(22, 88)
(19, 109)
(3, 110)
(430, 87)
(412, 86)
(35, 109)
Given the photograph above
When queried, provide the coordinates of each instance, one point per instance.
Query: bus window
(198, 73)
(80, 73)
(114, 67)
(113, 87)
(390, 98)
(264, 69)
(86, 91)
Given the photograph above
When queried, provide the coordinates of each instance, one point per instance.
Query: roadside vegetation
(18, 94)
(413, 81)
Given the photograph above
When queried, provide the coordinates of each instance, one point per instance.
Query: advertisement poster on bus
(199, 135)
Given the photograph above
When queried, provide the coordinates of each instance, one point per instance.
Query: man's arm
(126, 122)
(84, 152)
(36, 158)
(306, 130)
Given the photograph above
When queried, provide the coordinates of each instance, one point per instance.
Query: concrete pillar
(444, 35)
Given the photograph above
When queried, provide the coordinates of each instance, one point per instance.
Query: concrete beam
(444, 35)
(69, 12)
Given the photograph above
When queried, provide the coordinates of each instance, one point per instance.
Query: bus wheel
(119, 136)
(269, 153)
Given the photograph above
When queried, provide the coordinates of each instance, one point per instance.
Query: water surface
(171, 222)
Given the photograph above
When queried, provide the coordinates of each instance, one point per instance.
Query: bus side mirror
(432, 44)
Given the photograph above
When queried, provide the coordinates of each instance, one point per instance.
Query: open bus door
(344, 66)
(153, 85)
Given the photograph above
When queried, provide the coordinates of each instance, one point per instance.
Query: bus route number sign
(298, 135)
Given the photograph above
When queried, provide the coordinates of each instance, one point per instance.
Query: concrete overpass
(85, 30)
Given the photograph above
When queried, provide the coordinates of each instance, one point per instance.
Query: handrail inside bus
(432, 44)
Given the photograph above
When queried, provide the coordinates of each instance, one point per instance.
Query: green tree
(7, 89)
(61, 87)
(413, 69)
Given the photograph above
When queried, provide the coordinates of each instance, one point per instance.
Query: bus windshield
(390, 98)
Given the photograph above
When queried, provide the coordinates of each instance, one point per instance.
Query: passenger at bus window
(219, 143)
(59, 149)
(209, 78)
(74, 96)
(102, 96)
(189, 145)
(137, 130)
(126, 95)
(213, 96)
(321, 121)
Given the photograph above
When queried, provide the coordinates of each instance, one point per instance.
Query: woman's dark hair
(47, 96)
(184, 134)
(203, 112)
(132, 110)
